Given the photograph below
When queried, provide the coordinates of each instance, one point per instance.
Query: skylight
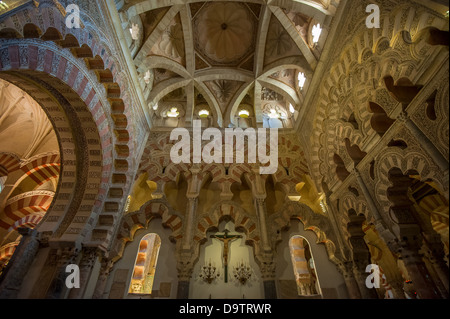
(316, 31)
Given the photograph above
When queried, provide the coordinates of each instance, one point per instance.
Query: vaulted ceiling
(225, 56)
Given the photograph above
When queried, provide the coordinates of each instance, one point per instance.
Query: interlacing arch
(319, 224)
(433, 112)
(336, 133)
(350, 201)
(172, 172)
(134, 221)
(349, 81)
(157, 163)
(243, 221)
(407, 162)
(334, 130)
(350, 98)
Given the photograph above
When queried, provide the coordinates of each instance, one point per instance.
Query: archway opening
(145, 265)
(303, 266)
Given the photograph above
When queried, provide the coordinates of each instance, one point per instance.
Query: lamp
(203, 113)
(291, 109)
(273, 114)
(134, 31)
(244, 113)
(209, 273)
(173, 112)
(147, 77)
(316, 31)
(242, 272)
(301, 80)
(323, 206)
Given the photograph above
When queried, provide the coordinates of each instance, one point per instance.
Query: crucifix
(226, 239)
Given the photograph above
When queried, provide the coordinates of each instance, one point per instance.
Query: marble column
(268, 267)
(105, 270)
(334, 223)
(359, 270)
(370, 201)
(185, 267)
(189, 222)
(270, 291)
(19, 264)
(183, 289)
(261, 212)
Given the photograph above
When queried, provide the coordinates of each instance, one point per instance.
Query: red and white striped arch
(44, 173)
(29, 221)
(25, 204)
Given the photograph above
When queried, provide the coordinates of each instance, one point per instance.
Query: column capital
(192, 197)
(260, 200)
(195, 169)
(267, 266)
(25, 231)
(106, 267)
(185, 269)
(268, 270)
(67, 255)
(185, 264)
(90, 254)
